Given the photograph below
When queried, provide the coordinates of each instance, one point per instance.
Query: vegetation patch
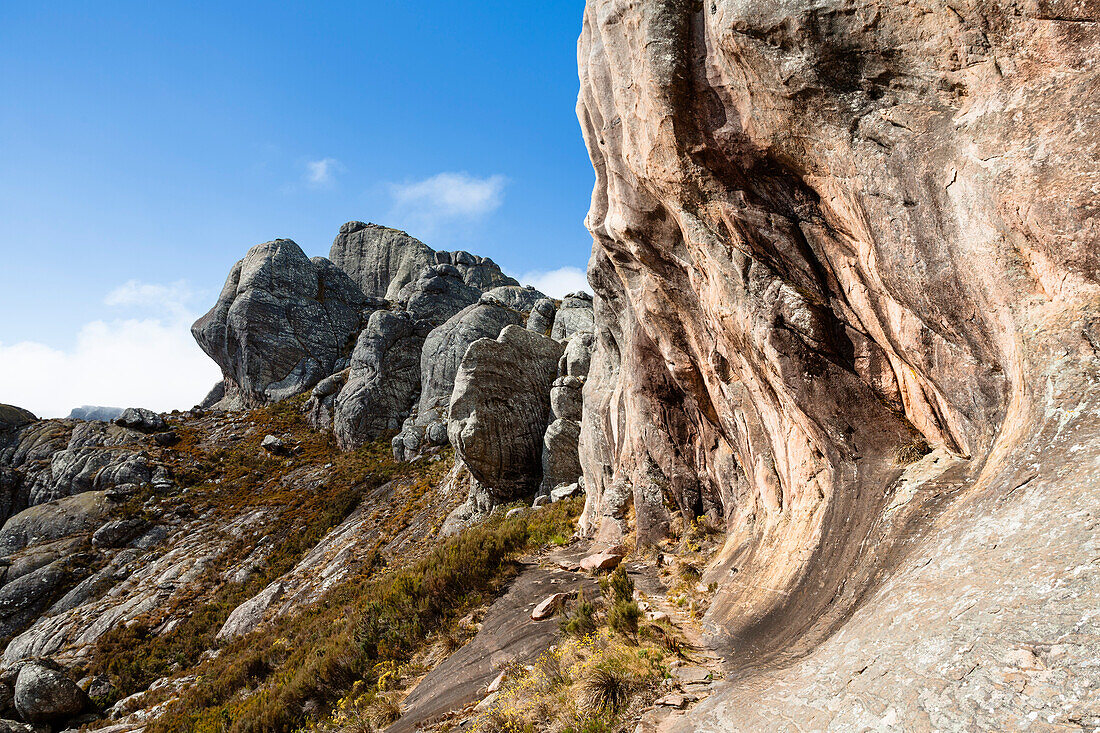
(298, 670)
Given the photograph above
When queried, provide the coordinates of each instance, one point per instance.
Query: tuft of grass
(911, 452)
(606, 690)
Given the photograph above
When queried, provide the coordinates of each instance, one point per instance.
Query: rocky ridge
(831, 410)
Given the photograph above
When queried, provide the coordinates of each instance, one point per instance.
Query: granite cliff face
(845, 264)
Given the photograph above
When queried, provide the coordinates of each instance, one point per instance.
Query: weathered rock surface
(437, 293)
(560, 452)
(138, 418)
(46, 694)
(282, 323)
(81, 513)
(500, 406)
(322, 400)
(440, 358)
(827, 235)
(383, 261)
(379, 259)
(384, 380)
(521, 297)
(541, 319)
(574, 315)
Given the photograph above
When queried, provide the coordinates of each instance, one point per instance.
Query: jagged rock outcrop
(574, 315)
(383, 261)
(437, 293)
(282, 323)
(384, 380)
(139, 418)
(379, 259)
(829, 236)
(442, 354)
(500, 407)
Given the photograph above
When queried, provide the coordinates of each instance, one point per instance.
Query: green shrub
(617, 586)
(581, 619)
(623, 618)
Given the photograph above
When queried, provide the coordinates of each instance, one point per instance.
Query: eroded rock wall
(829, 238)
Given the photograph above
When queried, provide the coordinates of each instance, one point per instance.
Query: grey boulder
(81, 513)
(437, 293)
(521, 297)
(500, 406)
(384, 380)
(440, 358)
(575, 315)
(282, 323)
(46, 694)
(380, 260)
(541, 319)
(138, 418)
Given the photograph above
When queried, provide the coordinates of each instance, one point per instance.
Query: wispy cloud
(147, 358)
(447, 198)
(322, 173)
(172, 298)
(557, 283)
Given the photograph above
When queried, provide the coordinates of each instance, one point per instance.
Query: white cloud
(557, 283)
(447, 197)
(147, 361)
(322, 173)
(172, 298)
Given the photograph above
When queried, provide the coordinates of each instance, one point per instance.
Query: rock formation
(830, 237)
(384, 380)
(439, 362)
(574, 315)
(499, 409)
(541, 319)
(282, 323)
(560, 457)
(379, 259)
(437, 293)
(382, 261)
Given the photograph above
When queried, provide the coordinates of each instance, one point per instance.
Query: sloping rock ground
(829, 238)
(508, 636)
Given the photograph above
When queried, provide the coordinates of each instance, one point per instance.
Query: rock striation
(829, 238)
(282, 323)
(384, 380)
(499, 409)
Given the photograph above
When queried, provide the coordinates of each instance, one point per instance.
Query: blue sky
(145, 146)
